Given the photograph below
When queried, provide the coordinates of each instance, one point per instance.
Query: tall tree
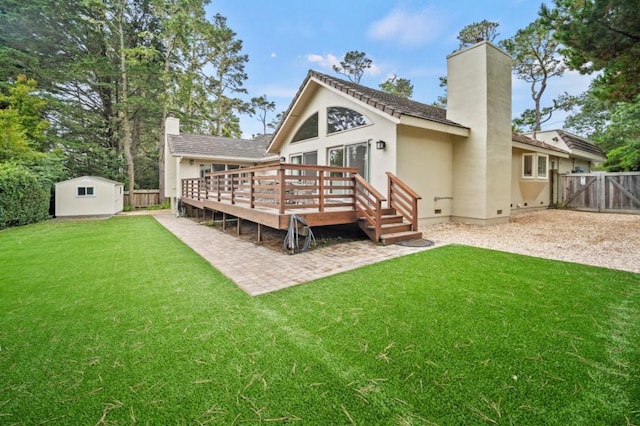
(353, 65)
(623, 136)
(227, 79)
(397, 86)
(260, 107)
(536, 58)
(478, 31)
(601, 35)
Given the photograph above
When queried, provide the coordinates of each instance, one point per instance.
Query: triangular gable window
(308, 130)
(340, 119)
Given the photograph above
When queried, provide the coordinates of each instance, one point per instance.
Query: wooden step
(388, 211)
(397, 237)
(392, 228)
(391, 218)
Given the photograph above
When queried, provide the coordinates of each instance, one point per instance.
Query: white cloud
(273, 54)
(409, 28)
(326, 61)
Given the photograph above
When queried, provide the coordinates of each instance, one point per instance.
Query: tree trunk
(126, 125)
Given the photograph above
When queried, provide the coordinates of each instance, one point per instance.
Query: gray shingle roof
(190, 145)
(391, 104)
(576, 142)
(517, 137)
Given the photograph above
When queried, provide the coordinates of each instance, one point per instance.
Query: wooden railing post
(251, 190)
(233, 194)
(321, 189)
(207, 181)
(281, 185)
(389, 193)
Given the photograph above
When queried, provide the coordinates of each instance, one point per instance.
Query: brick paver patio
(258, 270)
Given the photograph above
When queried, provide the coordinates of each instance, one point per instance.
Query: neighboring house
(88, 196)
(464, 161)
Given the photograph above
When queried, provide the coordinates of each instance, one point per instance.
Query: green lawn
(118, 322)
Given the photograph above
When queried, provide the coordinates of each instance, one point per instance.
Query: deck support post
(259, 232)
(224, 221)
(238, 225)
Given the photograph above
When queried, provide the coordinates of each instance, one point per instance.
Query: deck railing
(403, 199)
(369, 205)
(280, 187)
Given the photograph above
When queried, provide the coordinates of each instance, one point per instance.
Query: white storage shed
(89, 196)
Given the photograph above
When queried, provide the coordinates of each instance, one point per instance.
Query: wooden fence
(143, 197)
(601, 192)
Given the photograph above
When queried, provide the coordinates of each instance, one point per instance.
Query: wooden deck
(321, 195)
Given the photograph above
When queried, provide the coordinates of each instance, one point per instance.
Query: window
(356, 155)
(310, 158)
(542, 166)
(308, 130)
(340, 119)
(204, 169)
(535, 166)
(85, 191)
(527, 166)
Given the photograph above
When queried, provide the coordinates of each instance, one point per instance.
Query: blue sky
(408, 38)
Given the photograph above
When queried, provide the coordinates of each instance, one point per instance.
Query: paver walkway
(258, 270)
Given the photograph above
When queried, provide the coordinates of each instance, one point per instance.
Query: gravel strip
(599, 239)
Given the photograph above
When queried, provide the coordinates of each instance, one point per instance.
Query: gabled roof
(113, 182)
(392, 105)
(578, 143)
(201, 146)
(518, 137)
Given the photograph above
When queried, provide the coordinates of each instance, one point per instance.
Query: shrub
(23, 199)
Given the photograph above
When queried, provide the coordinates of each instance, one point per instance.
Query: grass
(118, 322)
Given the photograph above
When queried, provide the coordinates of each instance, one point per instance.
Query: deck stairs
(394, 229)
(397, 221)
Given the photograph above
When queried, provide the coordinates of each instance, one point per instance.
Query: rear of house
(88, 196)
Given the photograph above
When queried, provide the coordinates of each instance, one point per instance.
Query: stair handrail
(403, 199)
(368, 203)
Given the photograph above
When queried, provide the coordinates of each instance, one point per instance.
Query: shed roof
(113, 182)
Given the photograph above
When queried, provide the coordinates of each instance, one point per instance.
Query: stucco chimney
(171, 175)
(172, 126)
(479, 97)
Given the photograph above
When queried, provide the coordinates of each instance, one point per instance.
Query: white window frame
(524, 168)
(535, 166)
(86, 191)
(544, 175)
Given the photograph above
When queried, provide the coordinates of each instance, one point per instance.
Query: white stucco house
(465, 161)
(88, 196)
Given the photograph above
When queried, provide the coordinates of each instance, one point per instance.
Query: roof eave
(527, 147)
(589, 156)
(437, 126)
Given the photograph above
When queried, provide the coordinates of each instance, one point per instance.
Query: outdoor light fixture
(191, 162)
(283, 160)
(381, 144)
(555, 139)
